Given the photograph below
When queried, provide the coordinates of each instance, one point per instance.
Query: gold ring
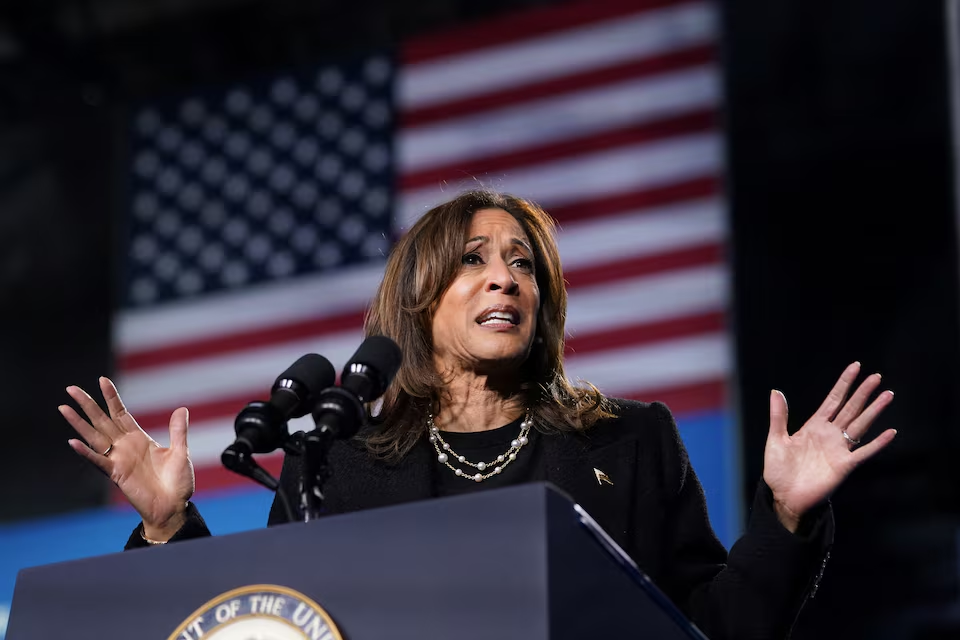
(107, 452)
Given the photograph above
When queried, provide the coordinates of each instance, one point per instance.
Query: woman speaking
(474, 295)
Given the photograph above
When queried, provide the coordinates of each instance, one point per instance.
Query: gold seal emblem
(259, 612)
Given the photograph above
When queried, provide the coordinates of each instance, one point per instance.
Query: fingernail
(856, 364)
(890, 392)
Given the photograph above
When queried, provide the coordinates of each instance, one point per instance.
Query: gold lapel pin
(602, 477)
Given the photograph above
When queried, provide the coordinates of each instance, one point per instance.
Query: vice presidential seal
(259, 612)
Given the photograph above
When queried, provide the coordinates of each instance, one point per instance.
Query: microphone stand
(337, 411)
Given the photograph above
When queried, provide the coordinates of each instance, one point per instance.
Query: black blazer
(655, 510)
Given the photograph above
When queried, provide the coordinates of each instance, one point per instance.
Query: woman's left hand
(804, 469)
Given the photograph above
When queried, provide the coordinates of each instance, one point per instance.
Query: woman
(474, 296)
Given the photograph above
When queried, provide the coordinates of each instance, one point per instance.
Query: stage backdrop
(260, 215)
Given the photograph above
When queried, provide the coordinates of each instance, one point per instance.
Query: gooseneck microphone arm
(339, 412)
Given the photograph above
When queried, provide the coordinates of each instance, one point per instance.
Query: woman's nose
(500, 278)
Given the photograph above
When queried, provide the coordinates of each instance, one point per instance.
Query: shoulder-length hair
(419, 270)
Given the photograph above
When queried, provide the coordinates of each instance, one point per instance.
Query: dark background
(841, 194)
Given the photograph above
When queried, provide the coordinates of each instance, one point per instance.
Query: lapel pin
(602, 477)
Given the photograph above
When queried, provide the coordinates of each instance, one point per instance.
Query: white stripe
(642, 233)
(665, 364)
(604, 173)
(691, 360)
(207, 379)
(220, 314)
(590, 309)
(651, 299)
(556, 119)
(574, 50)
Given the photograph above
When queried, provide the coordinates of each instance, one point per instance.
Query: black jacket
(655, 510)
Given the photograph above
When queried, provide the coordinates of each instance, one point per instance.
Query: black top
(485, 446)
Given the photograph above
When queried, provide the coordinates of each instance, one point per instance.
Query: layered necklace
(484, 470)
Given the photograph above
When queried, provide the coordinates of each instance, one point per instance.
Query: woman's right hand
(157, 481)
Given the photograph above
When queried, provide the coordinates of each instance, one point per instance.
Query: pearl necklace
(445, 452)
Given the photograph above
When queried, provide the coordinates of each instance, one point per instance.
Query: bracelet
(148, 540)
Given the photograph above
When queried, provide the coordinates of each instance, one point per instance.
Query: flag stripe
(600, 174)
(646, 265)
(636, 334)
(588, 142)
(677, 192)
(197, 349)
(519, 25)
(632, 70)
(302, 299)
(539, 58)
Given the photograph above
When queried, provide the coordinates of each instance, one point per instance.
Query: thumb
(778, 413)
(179, 420)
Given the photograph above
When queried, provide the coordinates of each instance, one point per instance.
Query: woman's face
(486, 319)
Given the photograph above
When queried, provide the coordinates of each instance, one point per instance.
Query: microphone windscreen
(313, 371)
(381, 354)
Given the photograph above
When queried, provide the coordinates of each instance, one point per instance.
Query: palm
(158, 481)
(804, 469)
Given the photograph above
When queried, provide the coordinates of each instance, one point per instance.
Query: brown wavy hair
(419, 270)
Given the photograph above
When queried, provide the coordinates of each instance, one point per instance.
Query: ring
(107, 452)
(854, 443)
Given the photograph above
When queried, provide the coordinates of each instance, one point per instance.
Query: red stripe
(213, 477)
(669, 194)
(646, 265)
(159, 420)
(695, 397)
(523, 25)
(645, 333)
(206, 347)
(631, 70)
(696, 122)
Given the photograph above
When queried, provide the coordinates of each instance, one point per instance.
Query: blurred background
(751, 195)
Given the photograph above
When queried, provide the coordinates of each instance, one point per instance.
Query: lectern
(523, 562)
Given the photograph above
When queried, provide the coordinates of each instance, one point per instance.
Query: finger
(778, 414)
(101, 462)
(112, 397)
(867, 451)
(835, 398)
(93, 437)
(100, 421)
(861, 425)
(179, 421)
(854, 405)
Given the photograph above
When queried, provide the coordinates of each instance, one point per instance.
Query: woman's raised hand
(804, 469)
(157, 481)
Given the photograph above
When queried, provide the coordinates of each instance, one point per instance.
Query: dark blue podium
(523, 562)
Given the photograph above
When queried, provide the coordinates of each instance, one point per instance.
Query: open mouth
(498, 317)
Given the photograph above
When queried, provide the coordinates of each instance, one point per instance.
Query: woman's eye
(523, 263)
(471, 258)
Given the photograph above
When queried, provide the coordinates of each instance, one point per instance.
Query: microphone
(261, 427)
(338, 411)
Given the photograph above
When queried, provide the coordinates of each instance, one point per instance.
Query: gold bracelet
(148, 540)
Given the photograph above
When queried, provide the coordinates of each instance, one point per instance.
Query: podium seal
(262, 611)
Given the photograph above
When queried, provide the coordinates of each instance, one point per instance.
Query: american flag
(261, 213)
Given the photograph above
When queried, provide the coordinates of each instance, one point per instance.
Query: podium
(523, 562)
